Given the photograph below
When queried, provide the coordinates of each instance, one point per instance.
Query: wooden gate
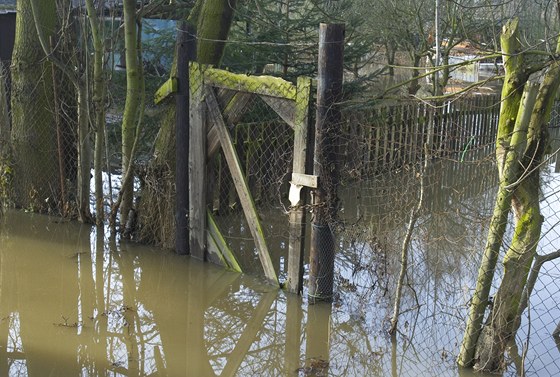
(212, 111)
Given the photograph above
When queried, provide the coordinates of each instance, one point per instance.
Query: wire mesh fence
(39, 138)
(380, 154)
(264, 144)
(378, 191)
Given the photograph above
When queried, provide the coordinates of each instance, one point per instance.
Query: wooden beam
(302, 150)
(284, 108)
(197, 165)
(233, 112)
(168, 88)
(186, 47)
(265, 85)
(241, 187)
(218, 245)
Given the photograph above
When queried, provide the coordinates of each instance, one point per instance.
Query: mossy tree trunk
(33, 135)
(157, 208)
(5, 170)
(502, 322)
(78, 76)
(4, 118)
(520, 150)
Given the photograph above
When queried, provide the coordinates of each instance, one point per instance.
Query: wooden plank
(306, 180)
(297, 220)
(232, 114)
(219, 246)
(284, 108)
(197, 165)
(168, 88)
(224, 96)
(265, 85)
(214, 254)
(241, 186)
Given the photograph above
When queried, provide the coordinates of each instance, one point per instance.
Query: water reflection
(76, 302)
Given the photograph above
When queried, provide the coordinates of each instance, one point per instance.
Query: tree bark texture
(98, 100)
(520, 150)
(33, 134)
(4, 117)
(156, 216)
(502, 322)
(79, 80)
(134, 86)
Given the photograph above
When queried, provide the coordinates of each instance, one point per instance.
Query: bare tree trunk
(134, 83)
(84, 155)
(4, 117)
(4, 141)
(414, 85)
(98, 100)
(84, 149)
(414, 215)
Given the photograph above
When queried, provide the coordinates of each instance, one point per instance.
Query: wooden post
(241, 185)
(197, 163)
(186, 50)
(329, 93)
(297, 210)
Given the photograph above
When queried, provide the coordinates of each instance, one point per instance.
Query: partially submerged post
(298, 187)
(329, 93)
(186, 51)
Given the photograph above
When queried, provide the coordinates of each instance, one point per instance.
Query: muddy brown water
(75, 302)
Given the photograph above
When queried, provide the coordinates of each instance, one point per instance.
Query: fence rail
(391, 135)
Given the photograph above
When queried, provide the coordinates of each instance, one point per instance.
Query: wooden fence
(390, 136)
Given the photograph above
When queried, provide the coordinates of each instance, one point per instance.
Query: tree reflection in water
(76, 302)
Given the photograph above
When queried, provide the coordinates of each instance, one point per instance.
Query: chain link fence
(5, 169)
(39, 140)
(264, 144)
(381, 155)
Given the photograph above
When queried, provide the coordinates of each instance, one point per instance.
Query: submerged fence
(380, 149)
(380, 153)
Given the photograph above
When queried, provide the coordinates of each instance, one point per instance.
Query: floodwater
(75, 302)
